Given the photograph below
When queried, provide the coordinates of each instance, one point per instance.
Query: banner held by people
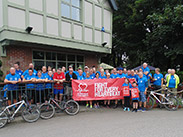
(98, 89)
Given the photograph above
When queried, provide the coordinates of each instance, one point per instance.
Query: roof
(106, 66)
(113, 4)
(150, 67)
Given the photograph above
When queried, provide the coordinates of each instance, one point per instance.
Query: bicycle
(47, 110)
(30, 113)
(167, 100)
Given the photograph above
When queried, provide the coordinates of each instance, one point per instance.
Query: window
(71, 9)
(57, 60)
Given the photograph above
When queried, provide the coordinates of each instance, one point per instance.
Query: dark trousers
(127, 102)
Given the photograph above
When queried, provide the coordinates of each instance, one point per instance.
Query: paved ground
(101, 123)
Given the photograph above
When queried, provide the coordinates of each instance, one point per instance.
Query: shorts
(58, 91)
(135, 99)
(142, 97)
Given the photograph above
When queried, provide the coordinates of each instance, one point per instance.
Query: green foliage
(148, 31)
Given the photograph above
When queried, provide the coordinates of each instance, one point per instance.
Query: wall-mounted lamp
(28, 29)
(103, 44)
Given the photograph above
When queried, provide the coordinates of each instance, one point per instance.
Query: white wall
(19, 2)
(107, 38)
(66, 29)
(78, 32)
(1, 13)
(107, 19)
(88, 13)
(16, 18)
(98, 17)
(52, 7)
(98, 37)
(36, 4)
(88, 35)
(36, 21)
(52, 26)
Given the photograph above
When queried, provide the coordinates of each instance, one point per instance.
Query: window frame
(56, 60)
(70, 7)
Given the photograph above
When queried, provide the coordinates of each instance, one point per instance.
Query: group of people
(62, 82)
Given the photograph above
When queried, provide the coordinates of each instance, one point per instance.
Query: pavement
(101, 123)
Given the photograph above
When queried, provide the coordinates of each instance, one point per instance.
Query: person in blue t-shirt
(18, 70)
(157, 79)
(145, 69)
(11, 80)
(133, 75)
(40, 86)
(80, 76)
(114, 74)
(121, 74)
(44, 72)
(128, 74)
(142, 86)
(92, 75)
(102, 75)
(27, 71)
(49, 85)
(125, 72)
(86, 69)
(88, 75)
(30, 79)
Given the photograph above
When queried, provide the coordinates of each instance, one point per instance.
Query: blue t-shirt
(88, 78)
(80, 77)
(125, 85)
(100, 73)
(172, 82)
(49, 85)
(11, 77)
(45, 75)
(102, 77)
(92, 76)
(19, 72)
(30, 85)
(40, 86)
(113, 75)
(121, 75)
(142, 84)
(146, 70)
(27, 72)
(158, 78)
(135, 77)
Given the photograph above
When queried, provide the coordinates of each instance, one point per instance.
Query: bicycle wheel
(150, 103)
(71, 107)
(47, 111)
(31, 113)
(172, 103)
(3, 119)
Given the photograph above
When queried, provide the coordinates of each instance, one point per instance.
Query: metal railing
(37, 93)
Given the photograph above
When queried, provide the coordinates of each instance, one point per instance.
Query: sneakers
(91, 106)
(125, 109)
(140, 109)
(128, 109)
(87, 105)
(143, 110)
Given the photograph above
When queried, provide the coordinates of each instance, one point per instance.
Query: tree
(148, 31)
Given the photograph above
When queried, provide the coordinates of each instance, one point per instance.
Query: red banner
(126, 91)
(97, 89)
(135, 92)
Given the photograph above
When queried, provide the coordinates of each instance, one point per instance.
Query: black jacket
(67, 77)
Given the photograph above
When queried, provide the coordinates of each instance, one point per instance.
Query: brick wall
(14, 54)
(91, 60)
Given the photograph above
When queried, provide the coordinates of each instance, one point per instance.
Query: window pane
(73, 65)
(75, 14)
(65, 9)
(71, 57)
(80, 58)
(61, 57)
(61, 64)
(52, 64)
(38, 65)
(80, 65)
(38, 55)
(76, 3)
(50, 56)
(68, 1)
